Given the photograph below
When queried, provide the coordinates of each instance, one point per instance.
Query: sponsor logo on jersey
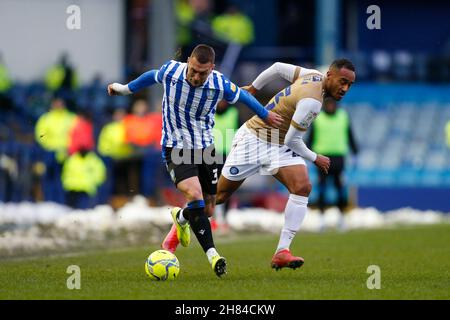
(233, 87)
(210, 93)
(316, 78)
(306, 122)
(234, 170)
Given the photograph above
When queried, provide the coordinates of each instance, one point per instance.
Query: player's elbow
(277, 66)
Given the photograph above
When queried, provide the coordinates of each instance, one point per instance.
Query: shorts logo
(234, 170)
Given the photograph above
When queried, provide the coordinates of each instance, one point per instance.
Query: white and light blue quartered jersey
(188, 112)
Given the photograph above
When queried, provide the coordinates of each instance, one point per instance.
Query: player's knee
(301, 189)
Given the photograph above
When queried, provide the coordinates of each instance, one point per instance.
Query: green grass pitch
(414, 264)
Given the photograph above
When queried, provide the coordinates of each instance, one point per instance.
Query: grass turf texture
(414, 263)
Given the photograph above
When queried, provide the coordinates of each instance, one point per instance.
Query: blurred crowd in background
(100, 149)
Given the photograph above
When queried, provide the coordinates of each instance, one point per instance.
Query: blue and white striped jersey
(188, 112)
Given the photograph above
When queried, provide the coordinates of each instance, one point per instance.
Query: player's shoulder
(219, 75)
(313, 77)
(172, 62)
(311, 80)
(223, 80)
(168, 66)
(310, 86)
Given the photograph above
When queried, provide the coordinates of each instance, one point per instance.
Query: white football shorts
(250, 154)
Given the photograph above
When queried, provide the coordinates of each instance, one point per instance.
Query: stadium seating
(400, 130)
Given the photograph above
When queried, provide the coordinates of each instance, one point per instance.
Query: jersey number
(214, 181)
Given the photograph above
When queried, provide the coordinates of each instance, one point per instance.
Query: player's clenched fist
(323, 163)
(117, 89)
(111, 90)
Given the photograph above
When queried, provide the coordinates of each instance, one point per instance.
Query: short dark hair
(343, 63)
(204, 54)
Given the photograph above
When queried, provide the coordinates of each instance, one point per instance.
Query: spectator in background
(62, 78)
(5, 86)
(234, 26)
(52, 134)
(53, 129)
(83, 173)
(111, 141)
(61, 75)
(194, 25)
(81, 133)
(113, 146)
(185, 14)
(143, 132)
(153, 174)
(201, 24)
(331, 135)
(139, 126)
(226, 124)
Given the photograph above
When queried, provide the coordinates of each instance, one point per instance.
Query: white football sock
(210, 253)
(294, 214)
(220, 213)
(181, 219)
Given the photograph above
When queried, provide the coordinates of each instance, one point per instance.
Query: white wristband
(121, 89)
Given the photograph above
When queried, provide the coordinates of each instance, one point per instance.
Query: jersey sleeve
(278, 70)
(162, 72)
(231, 92)
(306, 111)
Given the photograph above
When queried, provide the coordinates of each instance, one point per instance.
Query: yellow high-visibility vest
(331, 133)
(5, 81)
(52, 131)
(225, 127)
(83, 174)
(236, 28)
(111, 141)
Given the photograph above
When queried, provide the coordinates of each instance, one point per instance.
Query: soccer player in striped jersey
(192, 91)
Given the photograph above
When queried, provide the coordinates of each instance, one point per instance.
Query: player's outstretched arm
(145, 80)
(277, 71)
(306, 112)
(269, 117)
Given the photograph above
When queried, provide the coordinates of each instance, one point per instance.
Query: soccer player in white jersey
(192, 91)
(281, 152)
